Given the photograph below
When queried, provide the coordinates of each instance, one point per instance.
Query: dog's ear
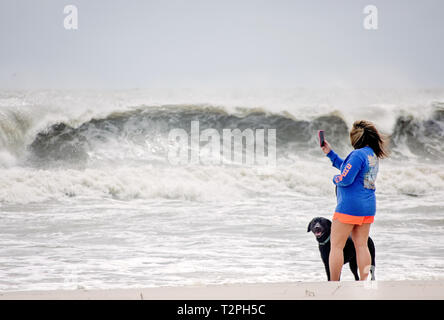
(328, 224)
(309, 226)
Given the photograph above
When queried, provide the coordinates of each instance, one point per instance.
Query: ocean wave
(53, 129)
(208, 183)
(422, 137)
(148, 127)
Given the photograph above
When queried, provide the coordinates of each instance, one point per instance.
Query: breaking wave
(120, 152)
(143, 133)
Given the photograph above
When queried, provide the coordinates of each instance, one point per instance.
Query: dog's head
(320, 227)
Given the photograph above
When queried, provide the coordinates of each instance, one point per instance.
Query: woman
(356, 206)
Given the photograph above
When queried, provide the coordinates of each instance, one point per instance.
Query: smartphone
(321, 137)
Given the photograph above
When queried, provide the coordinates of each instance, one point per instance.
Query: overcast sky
(223, 43)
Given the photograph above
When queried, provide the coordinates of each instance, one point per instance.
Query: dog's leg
(371, 248)
(327, 270)
(354, 268)
(372, 272)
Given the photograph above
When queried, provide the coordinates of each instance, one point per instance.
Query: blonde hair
(364, 133)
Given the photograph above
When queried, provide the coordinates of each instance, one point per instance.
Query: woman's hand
(326, 148)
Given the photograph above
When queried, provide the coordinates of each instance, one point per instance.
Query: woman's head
(364, 133)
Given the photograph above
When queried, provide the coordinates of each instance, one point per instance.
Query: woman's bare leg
(339, 234)
(360, 239)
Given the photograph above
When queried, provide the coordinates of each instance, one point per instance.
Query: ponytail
(364, 133)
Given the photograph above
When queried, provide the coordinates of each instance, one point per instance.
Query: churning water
(89, 199)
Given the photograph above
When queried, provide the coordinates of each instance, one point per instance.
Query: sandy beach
(383, 290)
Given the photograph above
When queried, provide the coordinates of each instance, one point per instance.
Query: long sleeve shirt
(356, 181)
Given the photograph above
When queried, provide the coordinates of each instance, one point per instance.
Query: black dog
(321, 228)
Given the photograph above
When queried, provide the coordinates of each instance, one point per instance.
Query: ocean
(89, 196)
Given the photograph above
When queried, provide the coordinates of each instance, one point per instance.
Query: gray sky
(223, 43)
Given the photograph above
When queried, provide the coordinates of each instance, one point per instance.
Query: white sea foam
(203, 183)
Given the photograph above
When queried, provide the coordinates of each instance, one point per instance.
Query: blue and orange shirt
(356, 182)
